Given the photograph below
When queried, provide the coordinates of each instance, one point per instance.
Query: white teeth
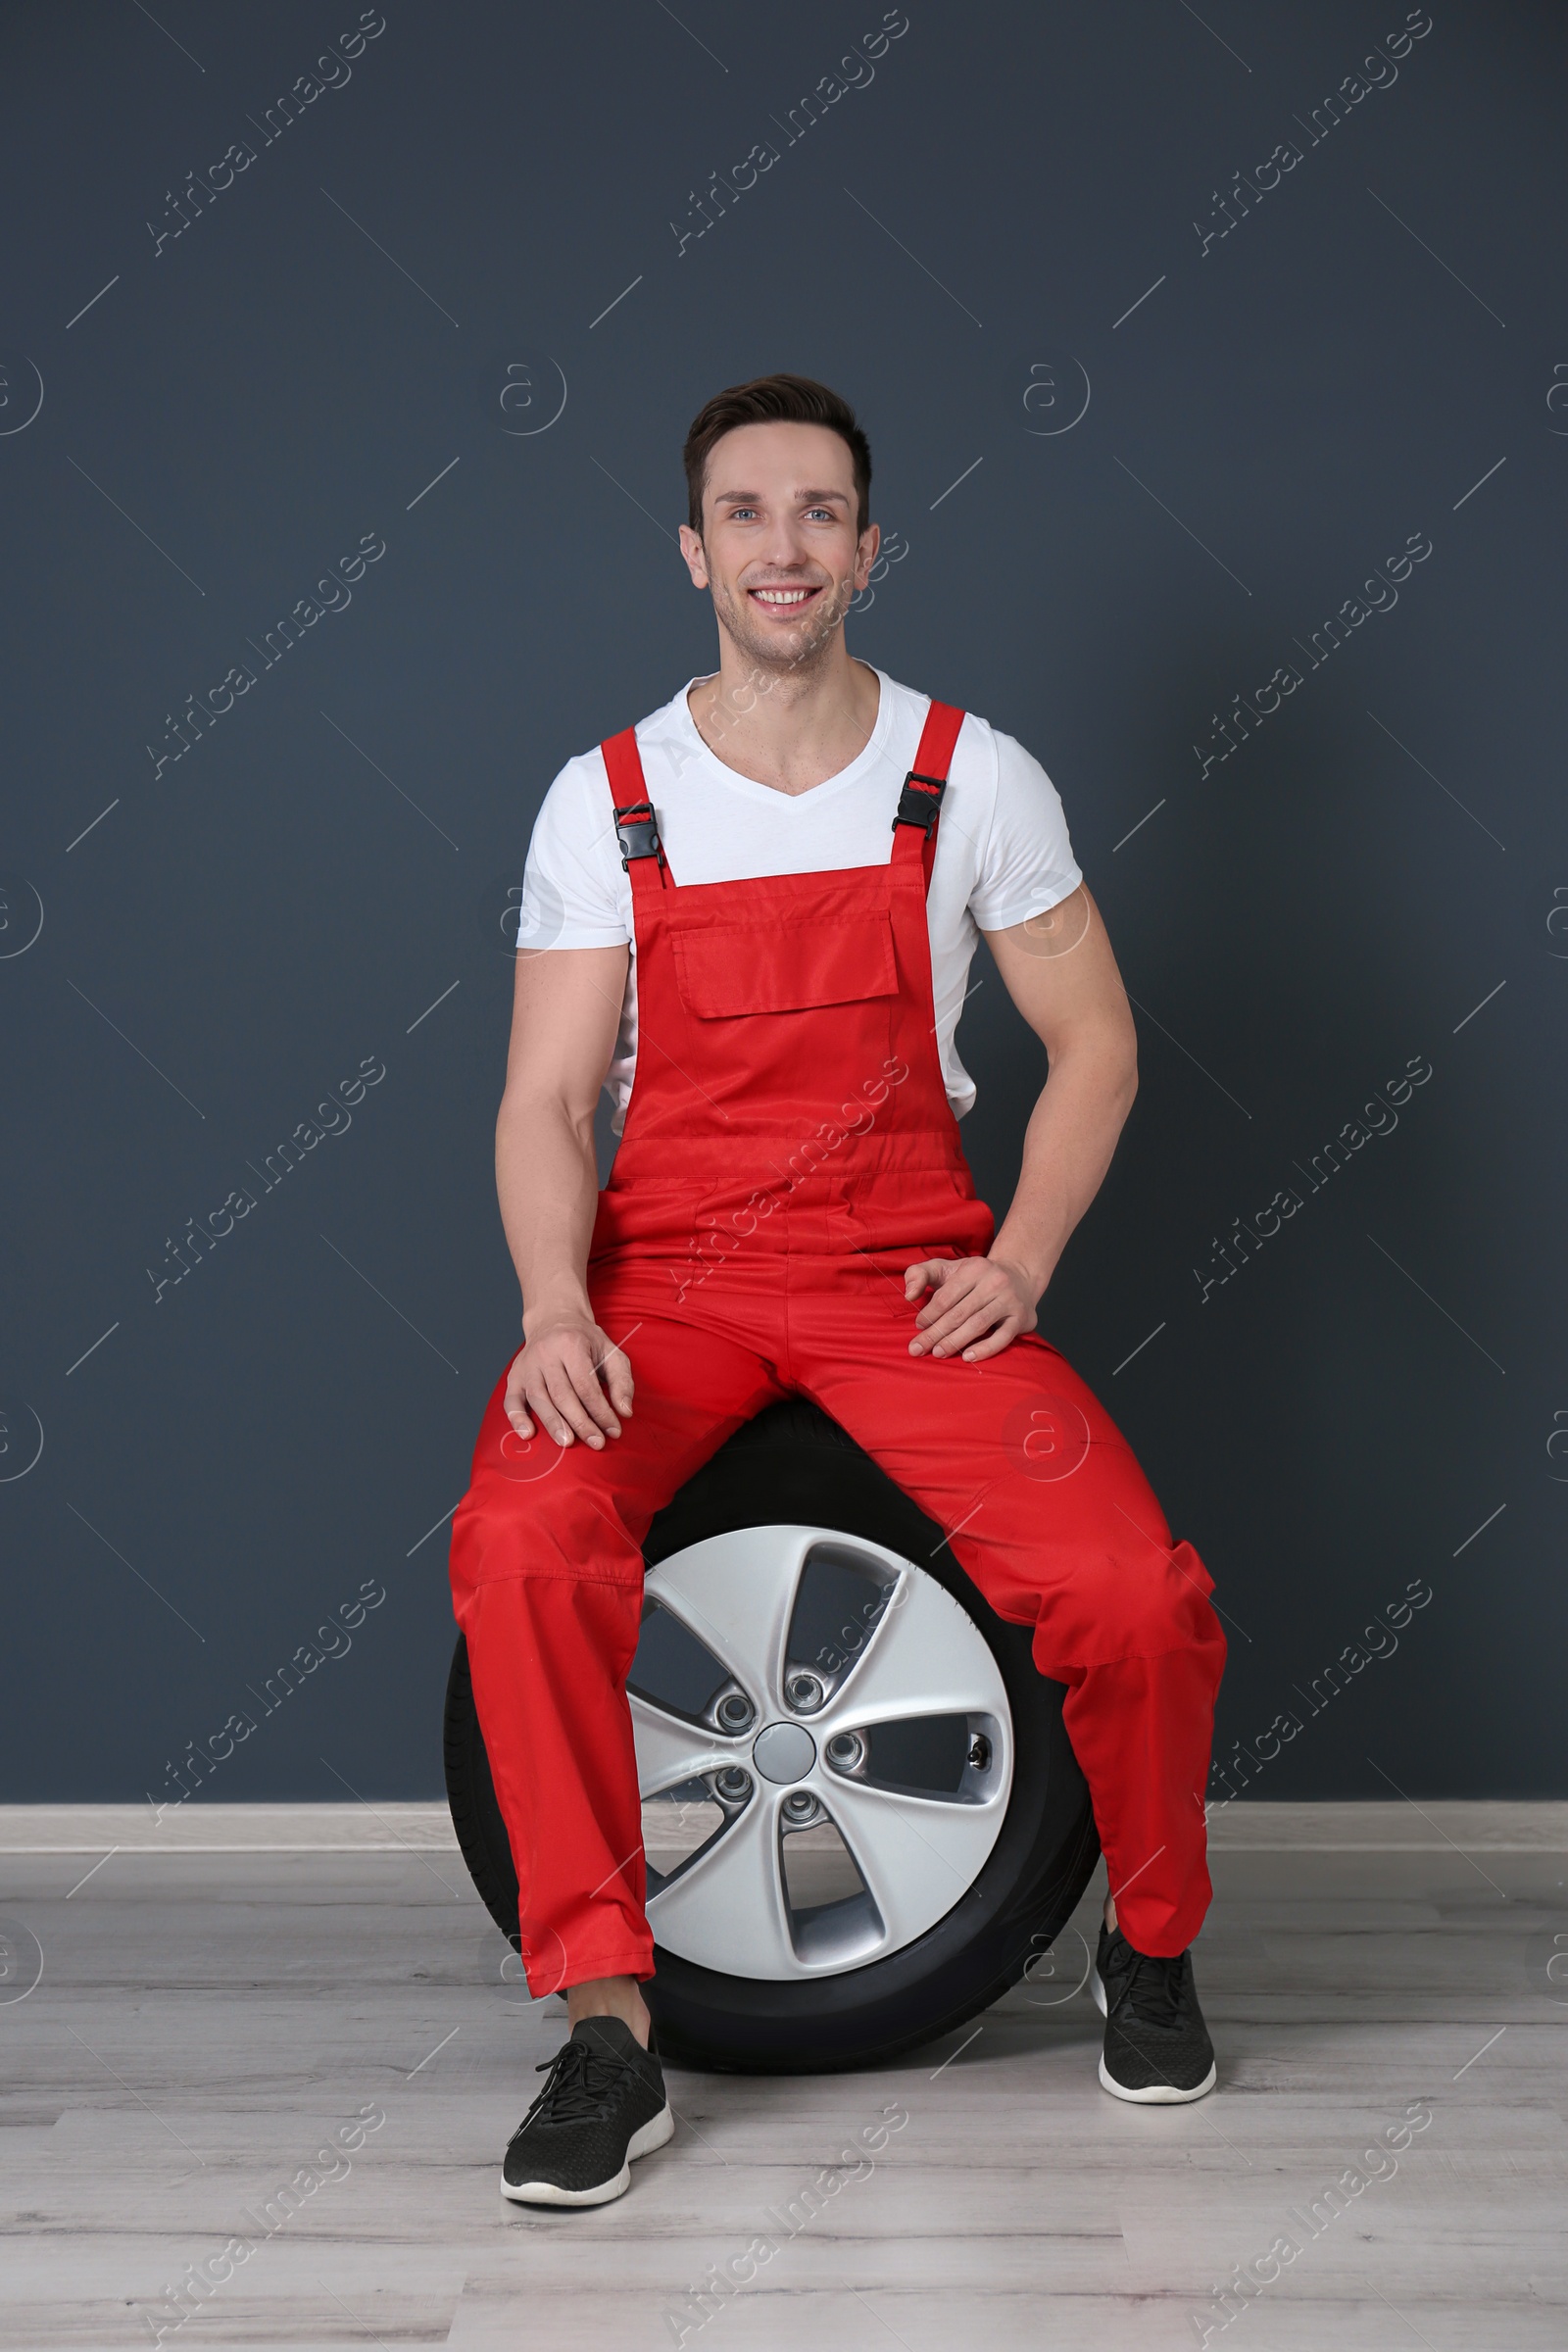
(782, 596)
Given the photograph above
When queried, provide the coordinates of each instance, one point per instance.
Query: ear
(691, 547)
(866, 554)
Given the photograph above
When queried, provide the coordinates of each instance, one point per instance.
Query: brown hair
(774, 400)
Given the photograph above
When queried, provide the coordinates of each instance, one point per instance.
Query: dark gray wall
(1014, 197)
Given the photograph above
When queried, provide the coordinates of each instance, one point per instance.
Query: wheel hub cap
(785, 1751)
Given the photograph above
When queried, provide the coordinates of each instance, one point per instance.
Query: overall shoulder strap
(636, 827)
(921, 800)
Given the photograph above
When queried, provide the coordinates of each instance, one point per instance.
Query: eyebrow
(754, 498)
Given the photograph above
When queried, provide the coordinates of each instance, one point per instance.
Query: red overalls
(789, 1149)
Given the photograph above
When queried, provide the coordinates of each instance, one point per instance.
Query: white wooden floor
(205, 2018)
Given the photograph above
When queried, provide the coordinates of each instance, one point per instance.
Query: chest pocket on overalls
(729, 969)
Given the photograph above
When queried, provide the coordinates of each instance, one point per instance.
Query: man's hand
(977, 1306)
(572, 1380)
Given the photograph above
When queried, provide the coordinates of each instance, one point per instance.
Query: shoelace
(1152, 1988)
(580, 2084)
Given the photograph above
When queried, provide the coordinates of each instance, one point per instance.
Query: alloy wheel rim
(808, 1759)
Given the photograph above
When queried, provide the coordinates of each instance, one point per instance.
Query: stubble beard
(811, 644)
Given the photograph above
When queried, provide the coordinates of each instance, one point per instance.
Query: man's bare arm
(565, 1010)
(1061, 973)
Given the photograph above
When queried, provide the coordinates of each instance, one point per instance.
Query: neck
(790, 726)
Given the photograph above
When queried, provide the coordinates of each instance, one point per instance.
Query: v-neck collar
(696, 750)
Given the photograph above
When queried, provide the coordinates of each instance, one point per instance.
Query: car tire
(794, 1465)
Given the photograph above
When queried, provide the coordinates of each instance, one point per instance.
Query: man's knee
(550, 1527)
(1143, 1599)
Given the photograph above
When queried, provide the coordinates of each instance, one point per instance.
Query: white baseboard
(1536, 1826)
(1395, 1826)
(197, 1829)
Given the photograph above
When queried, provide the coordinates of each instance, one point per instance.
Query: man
(754, 916)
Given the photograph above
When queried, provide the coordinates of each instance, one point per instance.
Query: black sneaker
(1157, 2052)
(603, 2103)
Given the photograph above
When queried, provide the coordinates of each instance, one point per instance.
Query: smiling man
(753, 916)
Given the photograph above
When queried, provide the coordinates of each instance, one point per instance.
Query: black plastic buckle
(921, 800)
(637, 832)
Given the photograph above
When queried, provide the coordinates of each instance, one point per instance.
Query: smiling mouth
(786, 602)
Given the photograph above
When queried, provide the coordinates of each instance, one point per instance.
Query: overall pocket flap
(727, 969)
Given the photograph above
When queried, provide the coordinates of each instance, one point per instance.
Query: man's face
(779, 547)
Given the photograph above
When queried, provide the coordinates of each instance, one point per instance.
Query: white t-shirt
(1002, 852)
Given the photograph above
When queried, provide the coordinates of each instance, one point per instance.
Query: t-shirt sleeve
(1026, 864)
(569, 897)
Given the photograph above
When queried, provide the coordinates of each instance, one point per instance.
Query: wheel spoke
(917, 1855)
(736, 1593)
(729, 1906)
(671, 1751)
(924, 1657)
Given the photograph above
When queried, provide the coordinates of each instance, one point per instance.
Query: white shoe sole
(653, 2134)
(1158, 2094)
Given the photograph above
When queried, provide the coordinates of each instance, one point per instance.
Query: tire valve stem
(980, 1751)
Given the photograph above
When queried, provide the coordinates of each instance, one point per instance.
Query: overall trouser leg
(1048, 1511)
(547, 1581)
